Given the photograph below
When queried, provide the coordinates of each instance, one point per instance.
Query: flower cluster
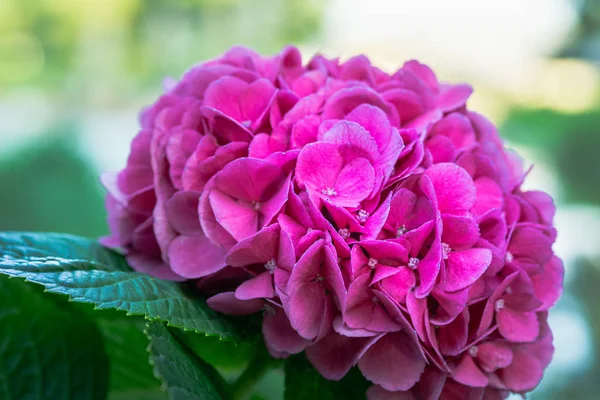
(371, 217)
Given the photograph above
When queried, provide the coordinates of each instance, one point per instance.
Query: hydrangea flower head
(372, 218)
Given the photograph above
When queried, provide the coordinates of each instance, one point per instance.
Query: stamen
(401, 231)
(445, 251)
(271, 265)
(320, 278)
(509, 290)
(331, 192)
(344, 233)
(473, 351)
(256, 205)
(499, 305)
(362, 215)
(413, 263)
(372, 263)
(509, 257)
(268, 309)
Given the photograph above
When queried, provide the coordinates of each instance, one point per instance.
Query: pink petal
(459, 232)
(468, 373)
(493, 356)
(279, 334)
(355, 182)
(518, 326)
(524, 374)
(224, 95)
(238, 220)
(256, 249)
(182, 212)
(376, 392)
(453, 97)
(195, 256)
(352, 140)
(250, 179)
(261, 286)
(393, 362)
(489, 196)
(464, 267)
(408, 103)
(334, 355)
(453, 337)
(548, 284)
(454, 188)
(227, 303)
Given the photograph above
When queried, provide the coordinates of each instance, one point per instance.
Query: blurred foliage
(43, 42)
(47, 186)
(567, 142)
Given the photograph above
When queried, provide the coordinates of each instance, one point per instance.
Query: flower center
(445, 250)
(344, 233)
(256, 205)
(401, 231)
(473, 351)
(375, 300)
(330, 192)
(271, 265)
(413, 263)
(246, 124)
(499, 305)
(372, 263)
(509, 290)
(362, 215)
(320, 278)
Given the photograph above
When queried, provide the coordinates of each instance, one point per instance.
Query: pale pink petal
(195, 256)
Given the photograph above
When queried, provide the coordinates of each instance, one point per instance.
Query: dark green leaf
(184, 375)
(130, 372)
(303, 382)
(47, 352)
(90, 273)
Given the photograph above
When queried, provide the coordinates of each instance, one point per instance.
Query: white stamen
(256, 205)
(320, 278)
(509, 257)
(362, 215)
(473, 351)
(509, 290)
(331, 192)
(372, 263)
(246, 124)
(344, 233)
(271, 265)
(401, 231)
(413, 263)
(445, 250)
(499, 305)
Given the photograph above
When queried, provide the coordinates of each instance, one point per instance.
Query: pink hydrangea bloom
(373, 219)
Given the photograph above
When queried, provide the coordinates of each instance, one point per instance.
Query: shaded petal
(227, 303)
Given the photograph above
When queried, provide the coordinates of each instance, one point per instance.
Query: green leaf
(303, 382)
(184, 375)
(47, 352)
(130, 373)
(90, 273)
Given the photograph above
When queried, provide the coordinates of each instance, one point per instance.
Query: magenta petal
(518, 326)
(261, 286)
(548, 284)
(489, 196)
(152, 267)
(493, 356)
(334, 355)
(523, 374)
(195, 256)
(459, 232)
(256, 249)
(355, 182)
(468, 373)
(227, 303)
(464, 267)
(224, 95)
(454, 188)
(319, 165)
(182, 212)
(393, 362)
(238, 220)
(279, 334)
(452, 338)
(453, 97)
(376, 392)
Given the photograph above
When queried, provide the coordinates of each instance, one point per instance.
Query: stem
(253, 373)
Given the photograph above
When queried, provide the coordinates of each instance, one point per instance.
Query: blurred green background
(74, 73)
